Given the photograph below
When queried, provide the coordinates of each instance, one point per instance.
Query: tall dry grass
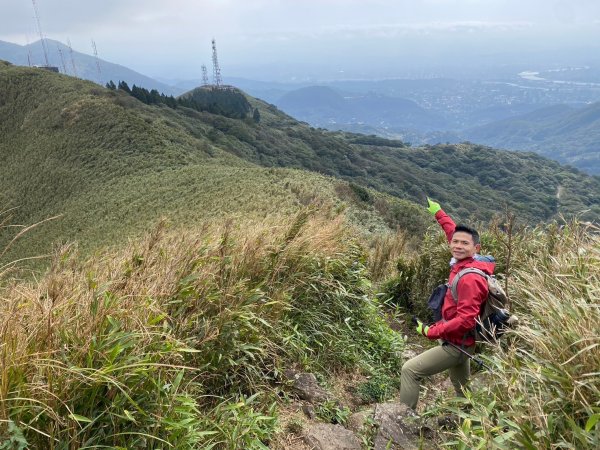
(180, 339)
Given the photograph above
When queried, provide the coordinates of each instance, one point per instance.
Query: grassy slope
(112, 165)
(185, 337)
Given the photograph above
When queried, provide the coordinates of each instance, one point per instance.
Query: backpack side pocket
(436, 301)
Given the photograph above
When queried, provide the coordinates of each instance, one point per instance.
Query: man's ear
(477, 247)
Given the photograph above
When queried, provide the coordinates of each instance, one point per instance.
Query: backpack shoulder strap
(459, 275)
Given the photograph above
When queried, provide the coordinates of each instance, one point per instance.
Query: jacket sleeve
(446, 223)
(472, 291)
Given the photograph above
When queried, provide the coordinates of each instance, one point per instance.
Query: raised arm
(442, 218)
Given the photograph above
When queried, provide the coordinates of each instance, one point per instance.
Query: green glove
(433, 206)
(422, 329)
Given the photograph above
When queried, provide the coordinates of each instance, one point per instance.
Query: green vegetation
(226, 101)
(329, 411)
(67, 141)
(182, 338)
(111, 167)
(569, 135)
(152, 97)
(379, 388)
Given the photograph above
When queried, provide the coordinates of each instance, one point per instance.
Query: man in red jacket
(458, 317)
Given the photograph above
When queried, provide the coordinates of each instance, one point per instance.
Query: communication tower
(97, 61)
(216, 69)
(62, 59)
(204, 76)
(39, 27)
(28, 51)
(71, 56)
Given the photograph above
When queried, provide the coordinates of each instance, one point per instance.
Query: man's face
(462, 245)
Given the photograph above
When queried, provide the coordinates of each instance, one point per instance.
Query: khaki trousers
(430, 362)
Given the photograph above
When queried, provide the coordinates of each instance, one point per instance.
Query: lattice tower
(39, 26)
(216, 69)
(71, 56)
(62, 59)
(97, 61)
(204, 75)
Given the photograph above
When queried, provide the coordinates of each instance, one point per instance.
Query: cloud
(148, 33)
(386, 31)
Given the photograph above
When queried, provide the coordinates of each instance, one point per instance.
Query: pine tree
(124, 87)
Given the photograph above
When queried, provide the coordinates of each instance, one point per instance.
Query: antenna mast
(204, 76)
(28, 50)
(71, 55)
(216, 68)
(37, 18)
(97, 61)
(62, 58)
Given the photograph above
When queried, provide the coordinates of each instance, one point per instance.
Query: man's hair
(472, 231)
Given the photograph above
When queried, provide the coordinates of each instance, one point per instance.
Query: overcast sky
(171, 38)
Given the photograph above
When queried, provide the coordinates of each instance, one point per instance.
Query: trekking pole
(476, 360)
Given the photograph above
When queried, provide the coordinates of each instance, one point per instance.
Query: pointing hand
(433, 207)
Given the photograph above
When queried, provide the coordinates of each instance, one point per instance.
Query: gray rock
(398, 427)
(309, 411)
(356, 421)
(305, 386)
(325, 436)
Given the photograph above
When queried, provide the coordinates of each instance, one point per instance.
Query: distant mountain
(85, 65)
(564, 133)
(326, 106)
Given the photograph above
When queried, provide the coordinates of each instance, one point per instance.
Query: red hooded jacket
(459, 318)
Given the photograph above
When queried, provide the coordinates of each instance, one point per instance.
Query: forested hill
(472, 181)
(111, 160)
(566, 134)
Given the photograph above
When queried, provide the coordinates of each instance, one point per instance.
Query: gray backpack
(493, 316)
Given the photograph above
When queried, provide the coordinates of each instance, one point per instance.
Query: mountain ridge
(111, 165)
(569, 135)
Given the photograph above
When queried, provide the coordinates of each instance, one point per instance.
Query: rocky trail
(355, 423)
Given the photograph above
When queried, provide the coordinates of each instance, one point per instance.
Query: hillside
(111, 165)
(568, 135)
(210, 338)
(184, 335)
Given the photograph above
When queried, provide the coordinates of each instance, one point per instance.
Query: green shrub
(331, 412)
(378, 388)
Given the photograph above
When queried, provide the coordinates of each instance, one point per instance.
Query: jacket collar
(487, 267)
(462, 263)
